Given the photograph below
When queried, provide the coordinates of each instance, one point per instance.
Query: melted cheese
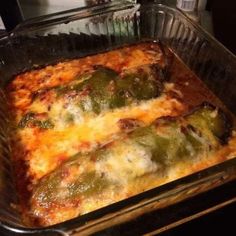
(120, 171)
(44, 150)
(49, 148)
(125, 164)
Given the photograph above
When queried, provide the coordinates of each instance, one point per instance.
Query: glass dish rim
(29, 25)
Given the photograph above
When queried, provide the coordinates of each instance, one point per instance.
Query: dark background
(219, 222)
(224, 22)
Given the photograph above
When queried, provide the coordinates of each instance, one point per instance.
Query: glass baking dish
(84, 31)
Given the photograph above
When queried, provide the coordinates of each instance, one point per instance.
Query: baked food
(69, 115)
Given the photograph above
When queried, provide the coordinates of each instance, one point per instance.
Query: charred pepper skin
(103, 89)
(216, 120)
(165, 142)
(31, 120)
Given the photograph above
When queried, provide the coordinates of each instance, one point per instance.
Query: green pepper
(164, 143)
(67, 183)
(214, 120)
(105, 89)
(92, 93)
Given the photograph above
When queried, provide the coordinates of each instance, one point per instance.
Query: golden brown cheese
(43, 150)
(22, 87)
(51, 147)
(40, 151)
(145, 157)
(37, 152)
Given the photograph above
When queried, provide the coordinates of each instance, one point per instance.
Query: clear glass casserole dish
(86, 31)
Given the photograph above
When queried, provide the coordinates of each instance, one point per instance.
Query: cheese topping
(79, 106)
